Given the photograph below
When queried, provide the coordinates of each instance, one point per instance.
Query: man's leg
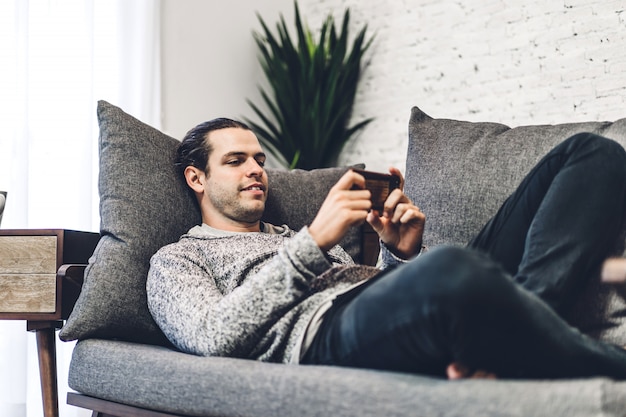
(456, 305)
(563, 220)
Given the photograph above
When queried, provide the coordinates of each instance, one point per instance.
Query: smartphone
(380, 185)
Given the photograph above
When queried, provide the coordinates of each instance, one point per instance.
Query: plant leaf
(312, 90)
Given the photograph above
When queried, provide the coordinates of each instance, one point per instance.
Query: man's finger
(349, 180)
(406, 213)
(396, 171)
(374, 220)
(396, 197)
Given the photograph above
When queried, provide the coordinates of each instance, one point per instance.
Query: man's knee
(462, 275)
(605, 158)
(609, 149)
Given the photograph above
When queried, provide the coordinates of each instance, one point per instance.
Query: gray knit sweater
(246, 295)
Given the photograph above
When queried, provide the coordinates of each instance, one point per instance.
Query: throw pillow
(460, 172)
(144, 205)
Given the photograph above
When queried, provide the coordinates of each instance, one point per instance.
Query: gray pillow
(459, 173)
(144, 205)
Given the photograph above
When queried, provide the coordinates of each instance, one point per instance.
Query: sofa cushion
(190, 385)
(460, 172)
(144, 205)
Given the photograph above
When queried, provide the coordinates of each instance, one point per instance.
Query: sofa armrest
(71, 277)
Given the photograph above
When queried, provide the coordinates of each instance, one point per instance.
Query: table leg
(46, 349)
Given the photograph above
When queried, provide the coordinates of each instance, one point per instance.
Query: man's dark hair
(195, 150)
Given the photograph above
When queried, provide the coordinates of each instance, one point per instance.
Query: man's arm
(194, 314)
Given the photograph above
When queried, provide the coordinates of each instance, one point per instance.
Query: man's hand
(344, 207)
(401, 224)
(457, 370)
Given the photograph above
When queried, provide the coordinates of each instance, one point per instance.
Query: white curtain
(57, 58)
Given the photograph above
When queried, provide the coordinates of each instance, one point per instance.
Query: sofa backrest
(457, 172)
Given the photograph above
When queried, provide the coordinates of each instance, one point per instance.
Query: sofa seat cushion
(158, 378)
(460, 172)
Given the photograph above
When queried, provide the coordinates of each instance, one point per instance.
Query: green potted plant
(312, 88)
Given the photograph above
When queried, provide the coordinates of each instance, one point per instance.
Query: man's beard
(234, 210)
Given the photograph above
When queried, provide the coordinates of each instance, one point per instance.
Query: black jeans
(494, 305)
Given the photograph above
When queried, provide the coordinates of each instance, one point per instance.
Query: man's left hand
(401, 224)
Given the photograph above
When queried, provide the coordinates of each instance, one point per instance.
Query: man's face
(236, 187)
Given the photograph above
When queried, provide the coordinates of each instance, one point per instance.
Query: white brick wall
(516, 62)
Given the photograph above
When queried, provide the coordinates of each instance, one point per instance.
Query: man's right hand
(343, 208)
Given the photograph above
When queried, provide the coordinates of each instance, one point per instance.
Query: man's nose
(254, 169)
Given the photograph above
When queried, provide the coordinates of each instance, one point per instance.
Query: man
(235, 286)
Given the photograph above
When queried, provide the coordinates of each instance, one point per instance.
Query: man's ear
(195, 179)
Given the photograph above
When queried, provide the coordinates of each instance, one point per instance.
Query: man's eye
(233, 162)
(261, 163)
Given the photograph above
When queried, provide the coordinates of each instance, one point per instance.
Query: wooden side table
(31, 290)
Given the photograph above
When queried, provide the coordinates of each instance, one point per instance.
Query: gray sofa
(457, 172)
